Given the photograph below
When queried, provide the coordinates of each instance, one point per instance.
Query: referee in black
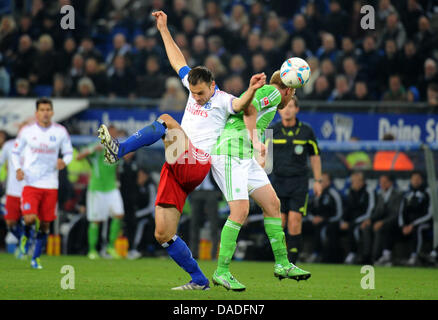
(293, 143)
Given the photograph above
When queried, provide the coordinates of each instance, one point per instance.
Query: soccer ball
(295, 72)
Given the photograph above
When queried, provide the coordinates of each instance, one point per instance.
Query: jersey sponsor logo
(196, 110)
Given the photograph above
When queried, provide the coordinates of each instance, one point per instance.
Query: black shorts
(293, 193)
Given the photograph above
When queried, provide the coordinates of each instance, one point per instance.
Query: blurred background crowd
(115, 51)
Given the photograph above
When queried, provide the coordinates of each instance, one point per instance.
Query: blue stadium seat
(43, 90)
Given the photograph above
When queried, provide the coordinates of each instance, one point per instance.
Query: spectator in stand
(85, 88)
(313, 21)
(336, 21)
(178, 12)
(216, 47)
(152, 83)
(350, 70)
(27, 26)
(22, 61)
(122, 82)
(275, 30)
(22, 87)
(64, 57)
(94, 71)
(389, 64)
(315, 73)
(199, 49)
(432, 94)
(273, 55)
(8, 35)
(301, 31)
(87, 50)
(181, 40)
(426, 39)
(189, 26)
(430, 76)
(328, 48)
(341, 91)
(355, 31)
(348, 50)
(238, 67)
(234, 85)
(139, 53)
(325, 209)
(215, 65)
(251, 46)
(384, 10)
(411, 63)
(43, 67)
(259, 64)
(60, 88)
(238, 18)
(411, 16)
(415, 216)
(321, 90)
(50, 26)
(77, 70)
(368, 62)
(380, 227)
(413, 95)
(393, 30)
(257, 15)
(328, 70)
(397, 91)
(361, 91)
(175, 97)
(298, 49)
(121, 47)
(213, 12)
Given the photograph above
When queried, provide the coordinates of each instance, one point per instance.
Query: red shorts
(13, 210)
(179, 179)
(42, 202)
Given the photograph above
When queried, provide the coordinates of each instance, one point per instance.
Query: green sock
(229, 234)
(93, 236)
(114, 231)
(277, 239)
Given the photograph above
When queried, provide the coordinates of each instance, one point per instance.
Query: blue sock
(40, 243)
(16, 231)
(144, 137)
(182, 255)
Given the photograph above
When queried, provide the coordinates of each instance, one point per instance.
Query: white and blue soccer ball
(295, 72)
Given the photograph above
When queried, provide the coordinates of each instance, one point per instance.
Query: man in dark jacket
(358, 205)
(383, 224)
(325, 209)
(415, 216)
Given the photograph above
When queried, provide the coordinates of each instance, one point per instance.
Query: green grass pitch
(152, 278)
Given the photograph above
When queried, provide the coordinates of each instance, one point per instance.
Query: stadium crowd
(114, 50)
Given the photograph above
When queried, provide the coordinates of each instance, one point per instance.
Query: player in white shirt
(40, 143)
(188, 158)
(13, 191)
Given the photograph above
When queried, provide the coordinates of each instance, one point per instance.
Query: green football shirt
(103, 175)
(235, 140)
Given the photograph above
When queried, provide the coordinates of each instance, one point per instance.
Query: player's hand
(20, 175)
(161, 19)
(257, 81)
(317, 189)
(317, 220)
(378, 225)
(407, 229)
(60, 164)
(365, 224)
(344, 225)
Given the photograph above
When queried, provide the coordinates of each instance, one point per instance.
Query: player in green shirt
(239, 175)
(103, 198)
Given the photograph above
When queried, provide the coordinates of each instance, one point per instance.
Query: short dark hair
(200, 74)
(44, 100)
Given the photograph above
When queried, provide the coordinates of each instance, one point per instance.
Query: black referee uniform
(290, 175)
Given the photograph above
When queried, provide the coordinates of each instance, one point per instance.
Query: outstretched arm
(257, 81)
(174, 54)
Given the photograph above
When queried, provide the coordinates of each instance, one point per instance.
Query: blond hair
(276, 79)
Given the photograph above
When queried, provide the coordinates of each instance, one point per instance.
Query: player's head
(44, 111)
(289, 112)
(201, 84)
(285, 91)
(326, 180)
(416, 179)
(357, 180)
